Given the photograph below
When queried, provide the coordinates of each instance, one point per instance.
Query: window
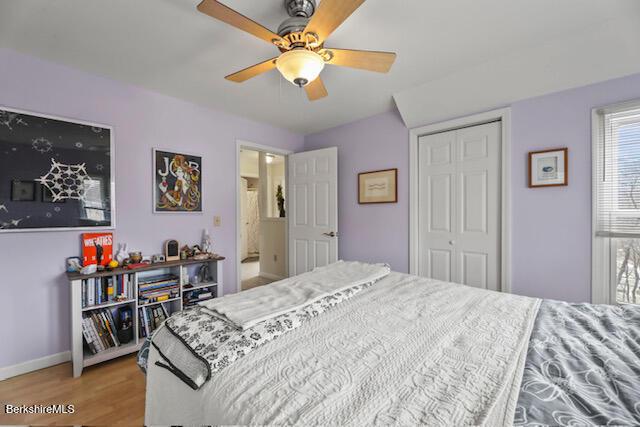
(94, 202)
(616, 157)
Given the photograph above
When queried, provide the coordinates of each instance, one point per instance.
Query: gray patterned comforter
(582, 367)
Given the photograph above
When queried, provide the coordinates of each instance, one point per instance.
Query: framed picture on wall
(548, 168)
(378, 186)
(55, 173)
(177, 182)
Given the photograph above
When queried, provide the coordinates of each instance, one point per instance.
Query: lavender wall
(378, 232)
(551, 227)
(35, 314)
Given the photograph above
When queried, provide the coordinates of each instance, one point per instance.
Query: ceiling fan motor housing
(295, 24)
(300, 11)
(300, 8)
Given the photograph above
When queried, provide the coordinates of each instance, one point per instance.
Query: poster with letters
(177, 182)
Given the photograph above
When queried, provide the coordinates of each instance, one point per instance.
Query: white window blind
(618, 174)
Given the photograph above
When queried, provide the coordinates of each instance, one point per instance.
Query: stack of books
(158, 288)
(150, 318)
(99, 330)
(102, 290)
(190, 298)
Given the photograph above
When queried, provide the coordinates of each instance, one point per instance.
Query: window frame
(603, 249)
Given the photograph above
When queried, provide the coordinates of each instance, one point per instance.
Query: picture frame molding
(395, 196)
(112, 165)
(565, 150)
(153, 182)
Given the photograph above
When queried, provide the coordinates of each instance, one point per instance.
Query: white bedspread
(246, 309)
(406, 351)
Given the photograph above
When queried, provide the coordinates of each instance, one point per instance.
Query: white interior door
(459, 206)
(244, 219)
(313, 209)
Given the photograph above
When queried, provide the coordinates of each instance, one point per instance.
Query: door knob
(452, 242)
(331, 234)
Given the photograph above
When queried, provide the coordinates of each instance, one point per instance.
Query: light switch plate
(217, 221)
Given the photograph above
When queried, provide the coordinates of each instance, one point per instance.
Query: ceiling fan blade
(380, 62)
(254, 70)
(223, 13)
(316, 90)
(329, 15)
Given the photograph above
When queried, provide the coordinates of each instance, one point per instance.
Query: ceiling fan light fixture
(300, 66)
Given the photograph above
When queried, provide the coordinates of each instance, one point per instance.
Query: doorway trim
(240, 144)
(504, 116)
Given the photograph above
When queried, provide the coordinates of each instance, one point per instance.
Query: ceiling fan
(300, 39)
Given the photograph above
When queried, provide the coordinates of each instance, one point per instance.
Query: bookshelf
(151, 293)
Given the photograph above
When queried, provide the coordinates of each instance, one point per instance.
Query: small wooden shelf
(199, 286)
(108, 304)
(82, 358)
(148, 267)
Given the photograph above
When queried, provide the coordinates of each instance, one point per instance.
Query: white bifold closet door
(313, 209)
(459, 203)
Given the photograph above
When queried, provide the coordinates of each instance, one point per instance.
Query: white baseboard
(270, 276)
(34, 365)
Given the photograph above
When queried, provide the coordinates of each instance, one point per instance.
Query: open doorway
(262, 217)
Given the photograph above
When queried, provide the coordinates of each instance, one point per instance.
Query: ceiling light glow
(300, 66)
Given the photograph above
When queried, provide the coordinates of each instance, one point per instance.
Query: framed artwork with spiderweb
(55, 173)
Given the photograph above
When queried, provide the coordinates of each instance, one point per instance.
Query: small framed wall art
(177, 182)
(549, 168)
(378, 186)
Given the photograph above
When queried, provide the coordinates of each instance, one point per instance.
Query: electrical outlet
(217, 221)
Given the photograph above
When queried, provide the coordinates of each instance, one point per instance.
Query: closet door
(437, 223)
(459, 200)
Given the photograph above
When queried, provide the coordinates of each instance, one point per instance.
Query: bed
(391, 348)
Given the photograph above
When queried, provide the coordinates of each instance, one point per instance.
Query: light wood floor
(109, 393)
(254, 282)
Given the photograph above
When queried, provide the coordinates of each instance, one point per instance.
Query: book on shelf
(150, 280)
(158, 288)
(150, 319)
(192, 297)
(99, 330)
(108, 289)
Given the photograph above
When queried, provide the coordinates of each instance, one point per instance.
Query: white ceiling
(250, 162)
(600, 53)
(167, 46)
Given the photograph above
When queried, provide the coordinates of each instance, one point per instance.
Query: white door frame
(240, 144)
(504, 115)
